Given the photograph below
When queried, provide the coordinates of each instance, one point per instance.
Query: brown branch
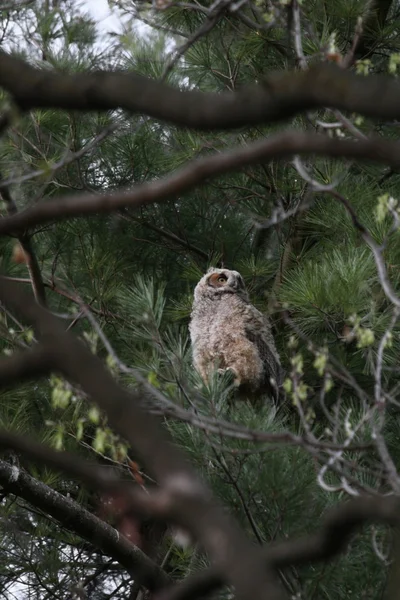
(196, 172)
(25, 364)
(341, 523)
(106, 479)
(80, 521)
(348, 60)
(280, 96)
(52, 286)
(188, 500)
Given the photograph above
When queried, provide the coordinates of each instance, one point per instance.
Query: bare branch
(298, 45)
(280, 96)
(77, 519)
(341, 523)
(348, 59)
(89, 472)
(25, 365)
(184, 179)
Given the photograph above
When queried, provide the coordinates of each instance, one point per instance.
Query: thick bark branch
(80, 521)
(27, 364)
(197, 172)
(280, 96)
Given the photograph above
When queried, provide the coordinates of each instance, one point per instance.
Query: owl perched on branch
(228, 332)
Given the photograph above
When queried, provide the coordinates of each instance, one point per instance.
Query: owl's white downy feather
(228, 332)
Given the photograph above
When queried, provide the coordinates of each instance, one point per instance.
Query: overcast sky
(101, 13)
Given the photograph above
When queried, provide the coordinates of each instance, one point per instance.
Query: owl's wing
(273, 373)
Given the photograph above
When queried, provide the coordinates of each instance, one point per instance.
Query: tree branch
(80, 521)
(281, 96)
(196, 172)
(341, 523)
(26, 364)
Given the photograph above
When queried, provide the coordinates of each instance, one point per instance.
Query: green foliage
(330, 288)
(136, 271)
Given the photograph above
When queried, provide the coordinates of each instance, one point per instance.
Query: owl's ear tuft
(210, 270)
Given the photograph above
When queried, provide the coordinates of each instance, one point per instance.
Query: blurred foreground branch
(280, 96)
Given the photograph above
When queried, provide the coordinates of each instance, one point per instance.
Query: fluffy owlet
(228, 332)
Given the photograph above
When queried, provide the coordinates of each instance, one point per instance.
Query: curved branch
(340, 525)
(280, 96)
(195, 173)
(77, 519)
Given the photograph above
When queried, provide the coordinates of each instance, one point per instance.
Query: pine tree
(124, 283)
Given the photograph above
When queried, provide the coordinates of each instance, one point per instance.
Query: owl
(227, 332)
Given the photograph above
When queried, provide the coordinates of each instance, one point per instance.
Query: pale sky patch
(107, 21)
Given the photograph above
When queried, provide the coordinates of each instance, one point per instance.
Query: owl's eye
(217, 279)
